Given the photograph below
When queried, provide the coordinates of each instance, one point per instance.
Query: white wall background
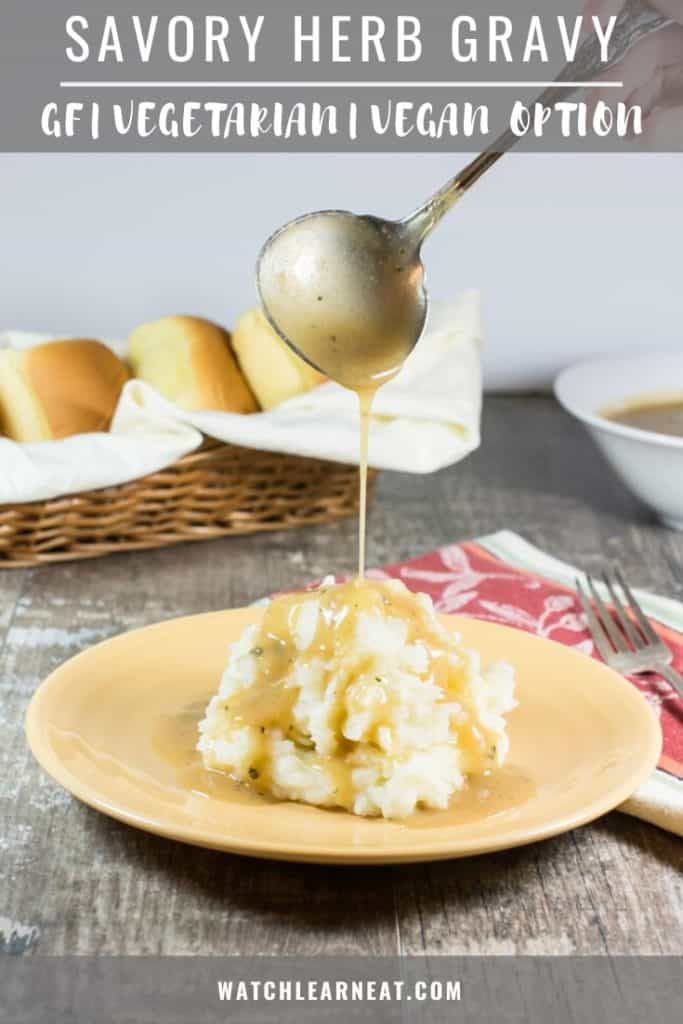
(573, 254)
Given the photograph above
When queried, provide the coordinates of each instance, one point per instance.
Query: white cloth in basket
(423, 420)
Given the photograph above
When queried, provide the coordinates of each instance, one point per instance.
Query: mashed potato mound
(356, 696)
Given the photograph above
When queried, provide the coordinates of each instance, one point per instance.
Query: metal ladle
(347, 293)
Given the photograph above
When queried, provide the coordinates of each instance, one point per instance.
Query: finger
(664, 89)
(660, 50)
(640, 65)
(663, 92)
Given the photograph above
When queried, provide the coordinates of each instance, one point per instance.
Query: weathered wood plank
(73, 881)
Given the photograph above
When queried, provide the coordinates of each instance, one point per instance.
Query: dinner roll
(273, 370)
(58, 388)
(191, 363)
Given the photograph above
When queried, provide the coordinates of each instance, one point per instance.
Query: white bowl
(651, 465)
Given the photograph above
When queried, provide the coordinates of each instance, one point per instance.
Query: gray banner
(199, 990)
(87, 75)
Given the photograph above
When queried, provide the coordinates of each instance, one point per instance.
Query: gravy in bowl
(662, 415)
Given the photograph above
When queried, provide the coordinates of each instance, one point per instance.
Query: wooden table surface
(73, 881)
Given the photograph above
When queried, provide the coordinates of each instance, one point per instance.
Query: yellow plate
(116, 726)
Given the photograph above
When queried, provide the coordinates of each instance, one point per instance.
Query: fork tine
(645, 626)
(620, 612)
(607, 621)
(597, 631)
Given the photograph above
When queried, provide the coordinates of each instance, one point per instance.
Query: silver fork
(628, 647)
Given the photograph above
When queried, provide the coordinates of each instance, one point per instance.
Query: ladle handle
(635, 21)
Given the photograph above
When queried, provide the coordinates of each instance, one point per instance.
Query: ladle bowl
(346, 292)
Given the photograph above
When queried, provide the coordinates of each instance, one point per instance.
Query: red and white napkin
(503, 578)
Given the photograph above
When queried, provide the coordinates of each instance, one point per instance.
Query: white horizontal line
(339, 85)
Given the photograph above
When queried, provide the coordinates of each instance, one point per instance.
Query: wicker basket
(220, 489)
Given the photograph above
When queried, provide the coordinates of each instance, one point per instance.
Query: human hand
(652, 73)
